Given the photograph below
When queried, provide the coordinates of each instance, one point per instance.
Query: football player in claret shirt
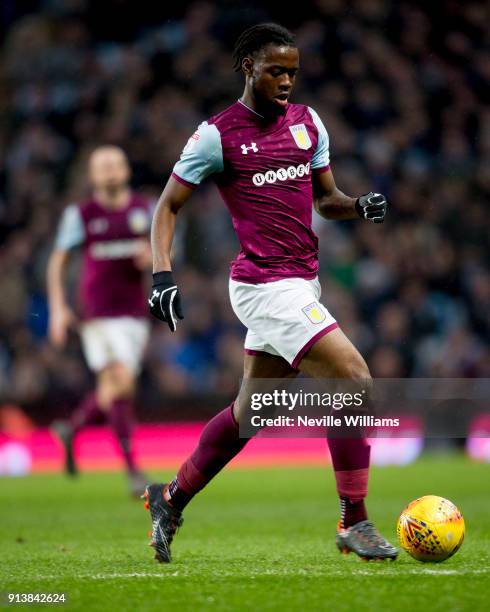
(270, 161)
(112, 229)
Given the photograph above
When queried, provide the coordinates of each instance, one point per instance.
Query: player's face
(109, 169)
(272, 76)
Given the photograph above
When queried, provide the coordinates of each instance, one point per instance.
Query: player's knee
(104, 397)
(355, 369)
(121, 381)
(236, 411)
(241, 406)
(124, 387)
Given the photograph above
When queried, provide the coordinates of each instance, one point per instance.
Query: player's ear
(247, 66)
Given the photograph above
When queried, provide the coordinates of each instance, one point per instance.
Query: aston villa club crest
(314, 313)
(138, 221)
(301, 136)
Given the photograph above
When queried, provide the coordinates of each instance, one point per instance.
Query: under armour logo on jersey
(253, 147)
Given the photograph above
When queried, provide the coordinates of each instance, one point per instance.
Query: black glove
(165, 299)
(372, 206)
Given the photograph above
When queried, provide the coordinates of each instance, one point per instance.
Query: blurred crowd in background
(402, 88)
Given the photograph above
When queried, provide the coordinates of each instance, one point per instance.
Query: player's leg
(126, 340)
(334, 356)
(115, 390)
(298, 327)
(331, 357)
(89, 411)
(219, 443)
(220, 440)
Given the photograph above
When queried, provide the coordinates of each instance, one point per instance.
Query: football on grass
(431, 528)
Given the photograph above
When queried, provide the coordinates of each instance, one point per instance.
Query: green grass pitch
(254, 540)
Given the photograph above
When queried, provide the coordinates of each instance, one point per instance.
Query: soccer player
(112, 228)
(270, 160)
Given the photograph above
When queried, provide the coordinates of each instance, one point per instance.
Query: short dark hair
(257, 37)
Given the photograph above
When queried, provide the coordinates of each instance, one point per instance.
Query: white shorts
(114, 339)
(283, 317)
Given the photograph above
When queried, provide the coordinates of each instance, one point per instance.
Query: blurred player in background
(270, 160)
(112, 229)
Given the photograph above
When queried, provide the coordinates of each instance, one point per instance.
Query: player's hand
(61, 319)
(372, 206)
(164, 300)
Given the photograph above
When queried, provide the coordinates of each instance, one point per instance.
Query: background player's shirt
(263, 170)
(110, 284)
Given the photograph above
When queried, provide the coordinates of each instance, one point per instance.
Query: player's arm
(328, 200)
(171, 201)
(201, 157)
(331, 203)
(54, 277)
(61, 317)
(164, 300)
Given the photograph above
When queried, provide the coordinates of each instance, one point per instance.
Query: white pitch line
(274, 572)
(131, 575)
(425, 570)
(429, 570)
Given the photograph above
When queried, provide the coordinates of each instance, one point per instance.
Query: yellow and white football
(431, 528)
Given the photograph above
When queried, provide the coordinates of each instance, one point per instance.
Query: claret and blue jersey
(110, 284)
(263, 170)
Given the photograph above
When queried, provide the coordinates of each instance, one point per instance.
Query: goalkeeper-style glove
(164, 300)
(372, 206)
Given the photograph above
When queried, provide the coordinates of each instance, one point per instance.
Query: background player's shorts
(107, 340)
(283, 318)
